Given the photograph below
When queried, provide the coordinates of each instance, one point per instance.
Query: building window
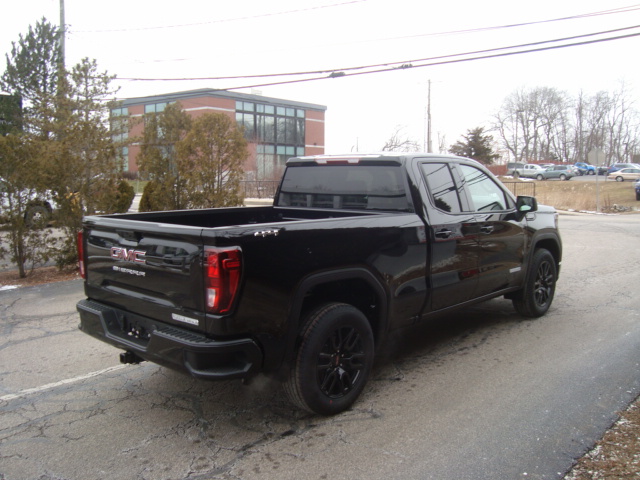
(155, 107)
(119, 123)
(123, 158)
(273, 125)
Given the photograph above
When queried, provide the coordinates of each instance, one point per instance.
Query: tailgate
(151, 269)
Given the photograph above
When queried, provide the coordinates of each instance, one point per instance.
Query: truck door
(453, 246)
(500, 236)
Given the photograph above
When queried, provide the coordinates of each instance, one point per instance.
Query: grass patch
(138, 185)
(582, 196)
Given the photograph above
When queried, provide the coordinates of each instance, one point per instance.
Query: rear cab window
(351, 187)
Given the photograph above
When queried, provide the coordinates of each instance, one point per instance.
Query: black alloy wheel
(537, 294)
(334, 359)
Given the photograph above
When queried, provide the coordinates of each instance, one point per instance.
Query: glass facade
(120, 133)
(278, 133)
(155, 107)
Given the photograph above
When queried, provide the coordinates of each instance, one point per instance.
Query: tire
(619, 179)
(333, 361)
(563, 177)
(539, 287)
(638, 196)
(539, 177)
(516, 174)
(37, 216)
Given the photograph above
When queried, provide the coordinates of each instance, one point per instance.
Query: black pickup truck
(307, 289)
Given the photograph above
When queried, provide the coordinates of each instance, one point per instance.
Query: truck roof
(383, 157)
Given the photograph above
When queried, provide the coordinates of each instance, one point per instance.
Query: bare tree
(399, 142)
(546, 124)
(531, 124)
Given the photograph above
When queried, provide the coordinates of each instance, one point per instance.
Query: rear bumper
(169, 346)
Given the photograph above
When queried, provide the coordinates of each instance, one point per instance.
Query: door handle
(443, 233)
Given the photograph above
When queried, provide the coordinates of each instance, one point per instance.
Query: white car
(531, 170)
(625, 174)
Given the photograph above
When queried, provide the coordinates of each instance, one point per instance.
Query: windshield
(361, 187)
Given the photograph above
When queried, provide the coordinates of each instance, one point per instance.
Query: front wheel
(540, 285)
(333, 361)
(539, 177)
(619, 179)
(563, 177)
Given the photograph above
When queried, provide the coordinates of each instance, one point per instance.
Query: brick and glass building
(276, 129)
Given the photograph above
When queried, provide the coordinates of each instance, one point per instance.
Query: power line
(445, 62)
(414, 63)
(226, 20)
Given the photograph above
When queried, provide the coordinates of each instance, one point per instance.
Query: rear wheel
(540, 285)
(333, 361)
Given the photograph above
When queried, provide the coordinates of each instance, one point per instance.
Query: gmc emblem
(134, 256)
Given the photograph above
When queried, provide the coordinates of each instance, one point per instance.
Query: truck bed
(236, 216)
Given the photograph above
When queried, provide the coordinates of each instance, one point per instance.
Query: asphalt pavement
(481, 394)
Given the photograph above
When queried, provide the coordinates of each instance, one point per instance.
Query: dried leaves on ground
(37, 276)
(617, 455)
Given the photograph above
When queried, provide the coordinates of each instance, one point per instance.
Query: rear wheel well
(352, 291)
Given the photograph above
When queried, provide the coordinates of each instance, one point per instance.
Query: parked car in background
(623, 174)
(603, 170)
(562, 172)
(585, 168)
(514, 168)
(638, 190)
(529, 170)
(619, 166)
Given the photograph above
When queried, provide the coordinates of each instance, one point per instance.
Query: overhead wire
(414, 63)
(430, 61)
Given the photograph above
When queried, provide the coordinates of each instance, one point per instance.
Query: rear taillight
(83, 273)
(222, 270)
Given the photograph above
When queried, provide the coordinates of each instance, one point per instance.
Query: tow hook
(129, 357)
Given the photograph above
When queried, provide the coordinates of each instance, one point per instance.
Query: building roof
(212, 92)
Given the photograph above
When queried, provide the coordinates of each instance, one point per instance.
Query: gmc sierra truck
(307, 289)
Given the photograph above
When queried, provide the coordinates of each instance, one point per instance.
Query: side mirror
(526, 204)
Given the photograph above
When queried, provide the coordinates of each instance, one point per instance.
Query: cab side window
(483, 192)
(442, 187)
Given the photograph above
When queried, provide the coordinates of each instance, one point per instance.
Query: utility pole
(429, 145)
(63, 34)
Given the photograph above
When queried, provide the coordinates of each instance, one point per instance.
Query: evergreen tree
(191, 163)
(21, 194)
(210, 159)
(64, 123)
(32, 72)
(158, 161)
(84, 165)
(476, 145)
(31, 78)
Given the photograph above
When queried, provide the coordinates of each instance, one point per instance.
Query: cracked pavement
(482, 394)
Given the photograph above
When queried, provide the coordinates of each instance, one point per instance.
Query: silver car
(562, 172)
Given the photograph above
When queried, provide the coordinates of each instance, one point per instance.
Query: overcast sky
(139, 40)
